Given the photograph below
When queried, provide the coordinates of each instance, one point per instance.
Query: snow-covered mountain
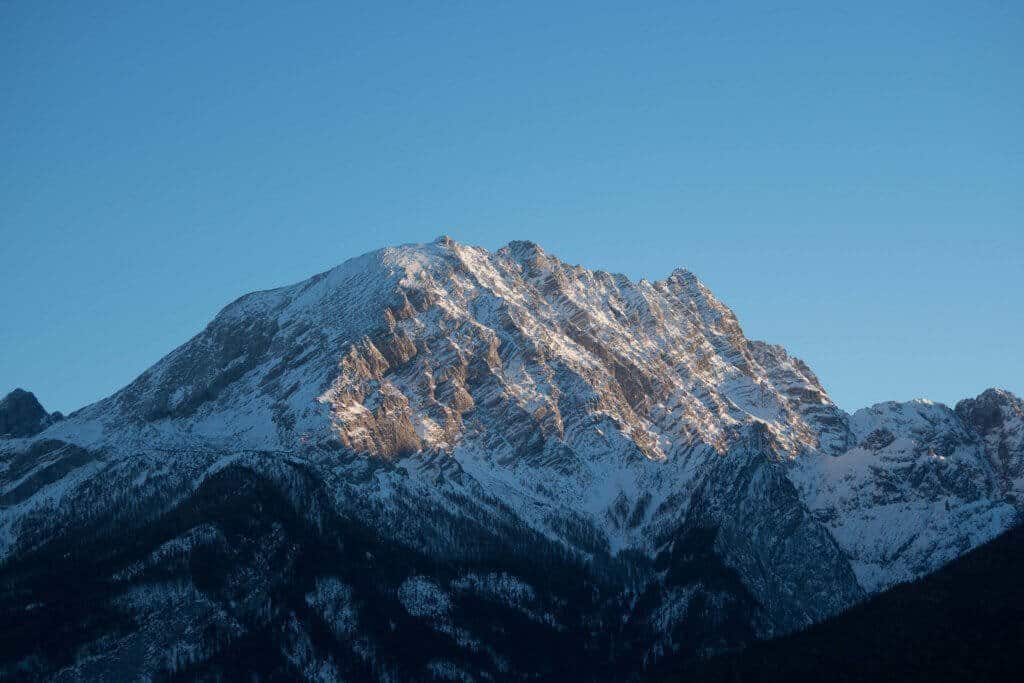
(389, 469)
(921, 487)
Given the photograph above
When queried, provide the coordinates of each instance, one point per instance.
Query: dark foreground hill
(963, 623)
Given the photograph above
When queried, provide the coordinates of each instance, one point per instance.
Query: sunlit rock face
(524, 467)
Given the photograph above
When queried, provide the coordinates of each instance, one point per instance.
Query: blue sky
(848, 177)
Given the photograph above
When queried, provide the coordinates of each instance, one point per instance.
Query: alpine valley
(438, 463)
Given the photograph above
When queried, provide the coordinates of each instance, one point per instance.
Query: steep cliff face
(435, 430)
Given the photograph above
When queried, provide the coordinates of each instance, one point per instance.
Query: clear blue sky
(849, 177)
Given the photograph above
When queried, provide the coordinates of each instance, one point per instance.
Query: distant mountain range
(437, 463)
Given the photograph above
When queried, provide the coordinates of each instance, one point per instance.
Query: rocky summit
(22, 415)
(433, 462)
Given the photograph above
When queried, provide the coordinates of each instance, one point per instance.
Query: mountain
(435, 461)
(22, 415)
(965, 622)
(921, 486)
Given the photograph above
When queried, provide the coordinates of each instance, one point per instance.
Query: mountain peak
(22, 415)
(683, 275)
(991, 410)
(421, 347)
(527, 254)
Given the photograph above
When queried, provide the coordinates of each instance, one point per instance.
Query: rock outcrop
(21, 415)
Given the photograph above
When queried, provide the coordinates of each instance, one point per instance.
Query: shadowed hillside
(965, 622)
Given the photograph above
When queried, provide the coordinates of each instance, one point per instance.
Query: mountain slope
(965, 622)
